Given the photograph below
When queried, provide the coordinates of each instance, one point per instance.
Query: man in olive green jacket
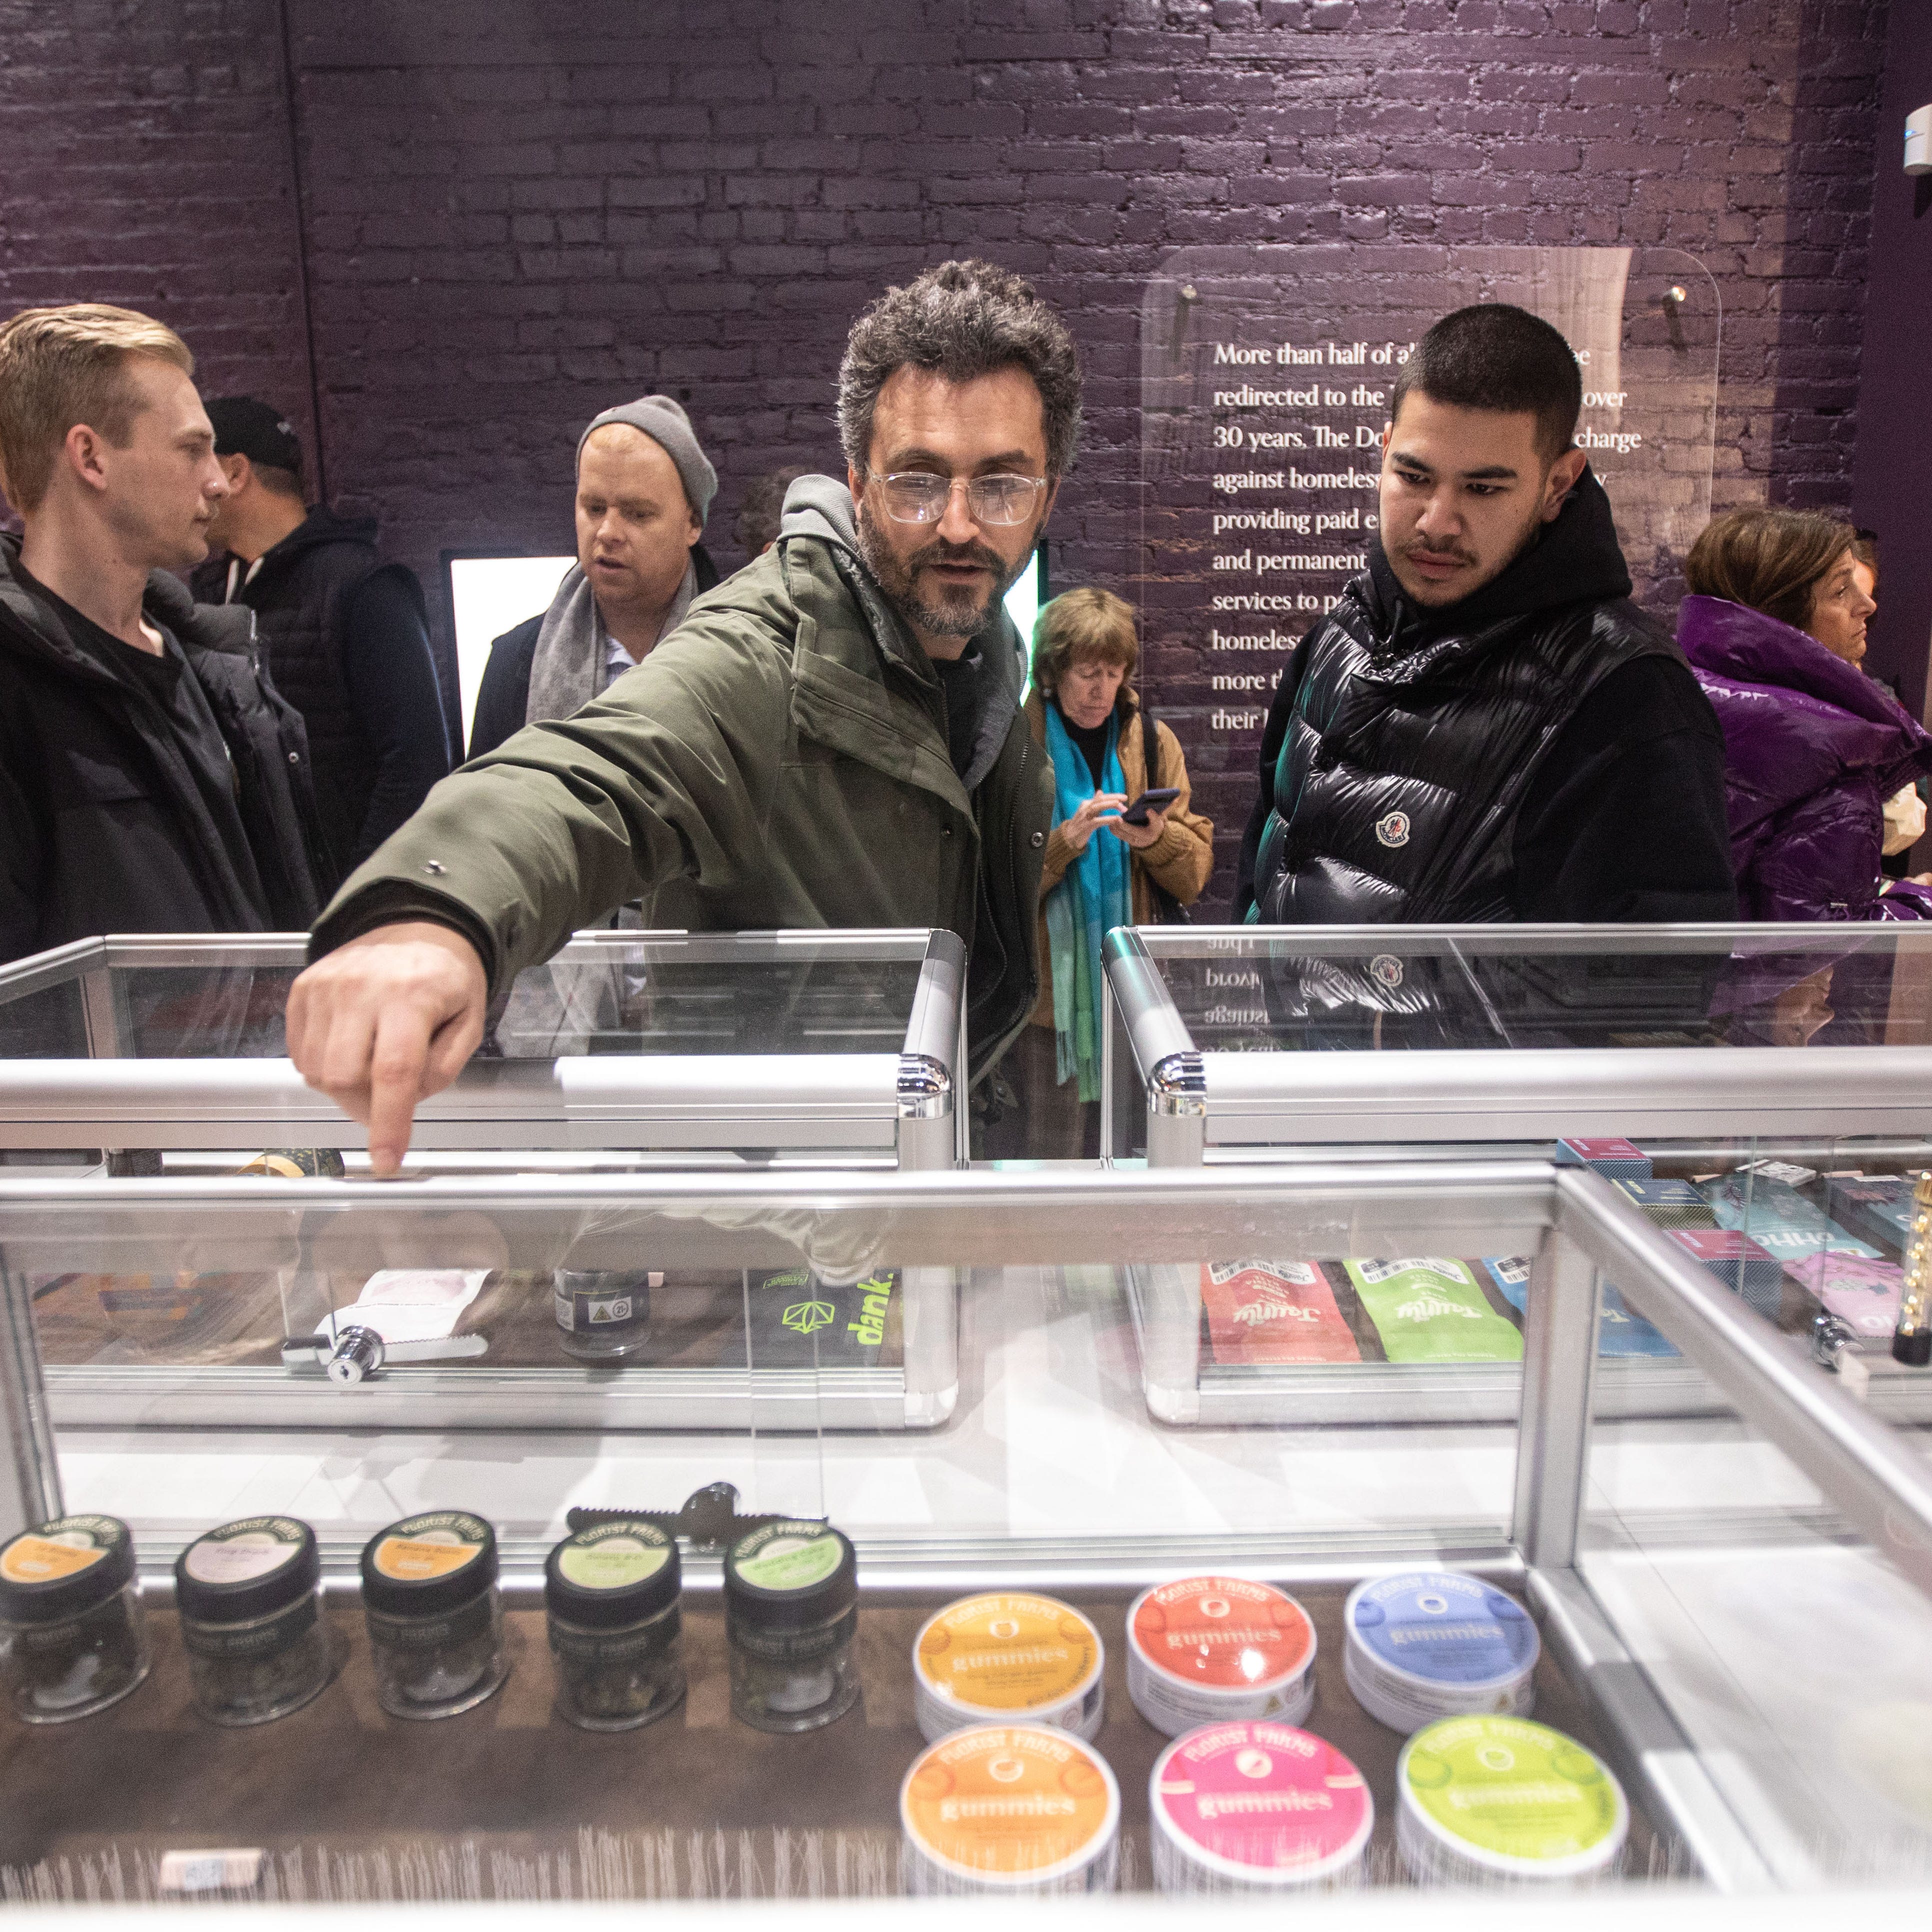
(832, 737)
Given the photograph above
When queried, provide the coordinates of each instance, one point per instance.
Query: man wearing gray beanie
(644, 488)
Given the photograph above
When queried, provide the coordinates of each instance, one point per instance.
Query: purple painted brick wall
(516, 212)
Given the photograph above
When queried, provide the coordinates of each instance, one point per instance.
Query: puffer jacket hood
(1813, 748)
(1575, 558)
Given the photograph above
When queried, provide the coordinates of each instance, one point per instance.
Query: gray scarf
(567, 668)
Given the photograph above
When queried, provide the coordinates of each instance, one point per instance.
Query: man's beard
(958, 614)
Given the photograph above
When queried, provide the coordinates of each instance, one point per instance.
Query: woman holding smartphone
(1108, 851)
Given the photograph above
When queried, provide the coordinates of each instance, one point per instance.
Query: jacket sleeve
(1182, 859)
(572, 816)
(1624, 818)
(1274, 736)
(392, 686)
(22, 871)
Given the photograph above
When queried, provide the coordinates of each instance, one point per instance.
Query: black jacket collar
(1574, 560)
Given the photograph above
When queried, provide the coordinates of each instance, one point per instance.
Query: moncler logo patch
(1393, 829)
(1386, 967)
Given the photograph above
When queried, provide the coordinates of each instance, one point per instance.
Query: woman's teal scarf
(1094, 895)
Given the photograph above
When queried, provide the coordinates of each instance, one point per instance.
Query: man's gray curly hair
(960, 320)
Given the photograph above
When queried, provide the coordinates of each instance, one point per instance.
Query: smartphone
(1156, 799)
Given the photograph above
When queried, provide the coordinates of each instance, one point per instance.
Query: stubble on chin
(955, 617)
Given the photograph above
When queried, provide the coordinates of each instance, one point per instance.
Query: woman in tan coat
(1099, 872)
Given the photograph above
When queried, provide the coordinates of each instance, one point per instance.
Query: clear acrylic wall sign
(1266, 377)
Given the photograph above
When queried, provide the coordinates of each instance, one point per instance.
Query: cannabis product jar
(72, 1641)
(436, 1624)
(1009, 1809)
(1008, 1658)
(611, 1593)
(1502, 1801)
(1213, 1649)
(791, 1609)
(250, 1619)
(1260, 1809)
(603, 1316)
(1425, 1644)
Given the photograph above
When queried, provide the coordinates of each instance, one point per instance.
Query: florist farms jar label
(791, 1609)
(612, 1595)
(249, 1619)
(1494, 1800)
(1424, 1644)
(1010, 1808)
(1008, 1656)
(72, 1637)
(436, 1626)
(1257, 1805)
(1209, 1648)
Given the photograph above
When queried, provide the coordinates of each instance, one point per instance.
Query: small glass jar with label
(603, 1316)
(791, 1611)
(612, 1594)
(72, 1638)
(435, 1618)
(248, 1597)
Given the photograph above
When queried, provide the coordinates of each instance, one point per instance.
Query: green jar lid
(790, 1575)
(613, 1574)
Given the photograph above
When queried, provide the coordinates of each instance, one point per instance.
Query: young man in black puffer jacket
(152, 780)
(1485, 727)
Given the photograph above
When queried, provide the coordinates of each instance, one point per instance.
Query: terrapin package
(1433, 1310)
(1260, 1312)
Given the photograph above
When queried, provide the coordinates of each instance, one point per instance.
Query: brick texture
(516, 215)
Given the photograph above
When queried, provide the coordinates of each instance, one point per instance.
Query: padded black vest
(302, 613)
(1405, 765)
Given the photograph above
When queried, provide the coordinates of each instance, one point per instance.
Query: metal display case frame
(1203, 1108)
(1580, 1232)
(886, 1110)
(900, 1108)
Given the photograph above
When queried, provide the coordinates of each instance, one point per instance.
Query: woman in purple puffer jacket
(1813, 748)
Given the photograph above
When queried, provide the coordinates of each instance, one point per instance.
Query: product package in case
(1259, 1808)
(1009, 1809)
(798, 1320)
(1738, 1261)
(1274, 1312)
(1667, 1204)
(1865, 1294)
(1620, 1330)
(1615, 1160)
(1425, 1644)
(1011, 1657)
(1778, 1218)
(1878, 1206)
(1432, 1310)
(1207, 1649)
(1502, 1801)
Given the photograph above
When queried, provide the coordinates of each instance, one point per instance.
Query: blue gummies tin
(1425, 1644)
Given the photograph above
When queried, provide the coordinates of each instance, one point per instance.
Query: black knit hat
(244, 426)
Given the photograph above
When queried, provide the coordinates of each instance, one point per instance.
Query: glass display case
(1644, 1050)
(628, 1048)
(1049, 1480)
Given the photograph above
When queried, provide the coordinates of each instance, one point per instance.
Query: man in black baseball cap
(345, 635)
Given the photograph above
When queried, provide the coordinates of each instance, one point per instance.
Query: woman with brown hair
(1100, 870)
(1813, 748)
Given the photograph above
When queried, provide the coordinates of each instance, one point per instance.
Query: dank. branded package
(1432, 1310)
(799, 1321)
(1274, 1312)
